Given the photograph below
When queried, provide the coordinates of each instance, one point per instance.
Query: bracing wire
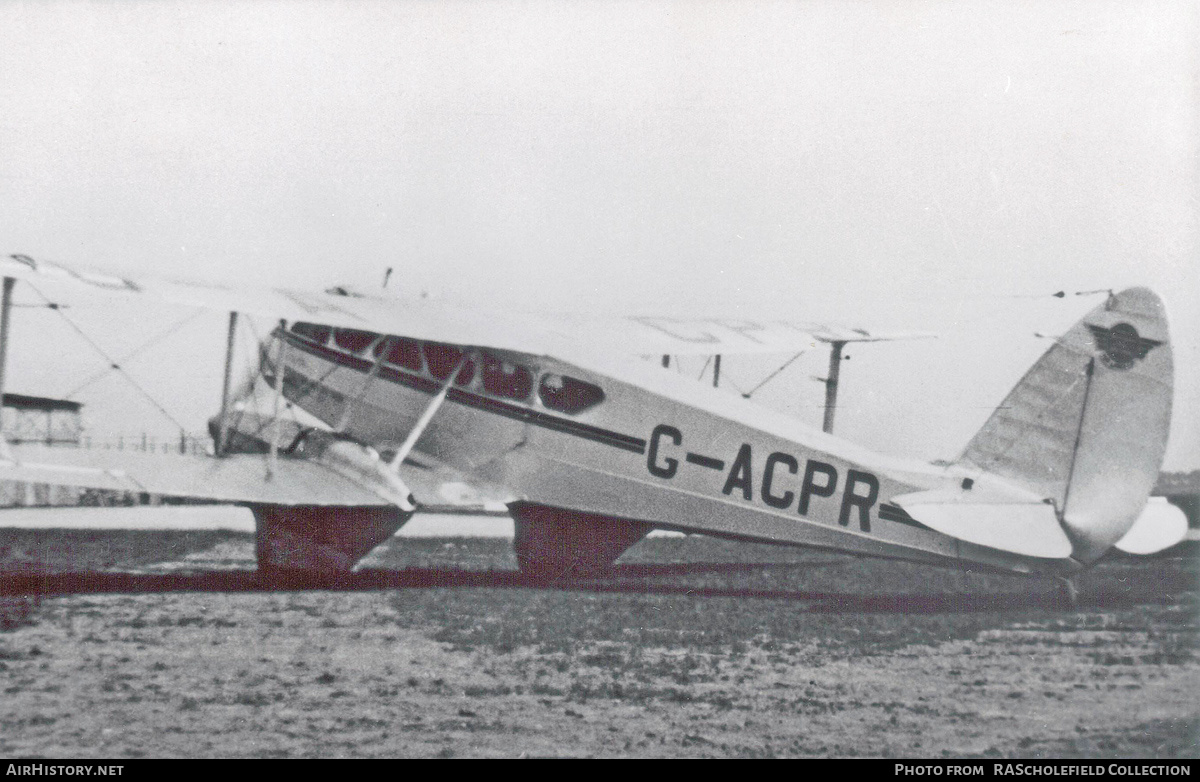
(114, 365)
(254, 366)
(129, 356)
(253, 374)
(253, 358)
(773, 375)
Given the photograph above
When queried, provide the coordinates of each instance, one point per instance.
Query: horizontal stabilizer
(1160, 526)
(1028, 527)
(237, 478)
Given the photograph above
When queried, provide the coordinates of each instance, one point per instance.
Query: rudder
(1086, 427)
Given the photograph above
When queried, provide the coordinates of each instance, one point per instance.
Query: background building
(36, 419)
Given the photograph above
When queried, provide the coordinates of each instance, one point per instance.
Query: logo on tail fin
(1121, 346)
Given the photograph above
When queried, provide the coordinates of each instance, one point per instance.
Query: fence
(194, 444)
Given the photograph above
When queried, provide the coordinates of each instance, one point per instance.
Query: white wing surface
(237, 478)
(504, 329)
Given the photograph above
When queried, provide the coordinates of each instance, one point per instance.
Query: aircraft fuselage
(629, 441)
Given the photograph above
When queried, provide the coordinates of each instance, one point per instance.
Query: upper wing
(499, 328)
(649, 335)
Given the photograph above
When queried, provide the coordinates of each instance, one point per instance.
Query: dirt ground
(166, 645)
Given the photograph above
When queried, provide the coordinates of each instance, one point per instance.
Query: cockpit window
(353, 340)
(504, 378)
(404, 353)
(312, 331)
(443, 358)
(569, 395)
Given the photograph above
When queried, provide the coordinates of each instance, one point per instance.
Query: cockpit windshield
(312, 331)
(354, 340)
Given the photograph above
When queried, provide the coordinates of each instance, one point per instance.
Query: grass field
(143, 643)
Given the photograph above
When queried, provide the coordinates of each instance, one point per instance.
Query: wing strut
(280, 364)
(427, 416)
(223, 421)
(831, 383)
(5, 311)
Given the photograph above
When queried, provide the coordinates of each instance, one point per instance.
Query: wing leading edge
(464, 323)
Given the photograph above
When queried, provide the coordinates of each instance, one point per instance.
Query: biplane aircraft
(593, 446)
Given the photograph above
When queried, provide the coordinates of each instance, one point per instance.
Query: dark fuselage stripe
(899, 515)
(705, 461)
(470, 399)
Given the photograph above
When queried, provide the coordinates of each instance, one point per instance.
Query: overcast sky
(931, 166)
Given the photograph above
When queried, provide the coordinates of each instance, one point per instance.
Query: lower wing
(338, 476)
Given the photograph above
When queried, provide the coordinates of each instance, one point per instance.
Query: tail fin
(1086, 428)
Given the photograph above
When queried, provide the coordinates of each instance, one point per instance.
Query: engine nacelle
(321, 539)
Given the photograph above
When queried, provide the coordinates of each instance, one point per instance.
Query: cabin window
(353, 340)
(443, 358)
(569, 395)
(403, 353)
(504, 378)
(312, 331)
